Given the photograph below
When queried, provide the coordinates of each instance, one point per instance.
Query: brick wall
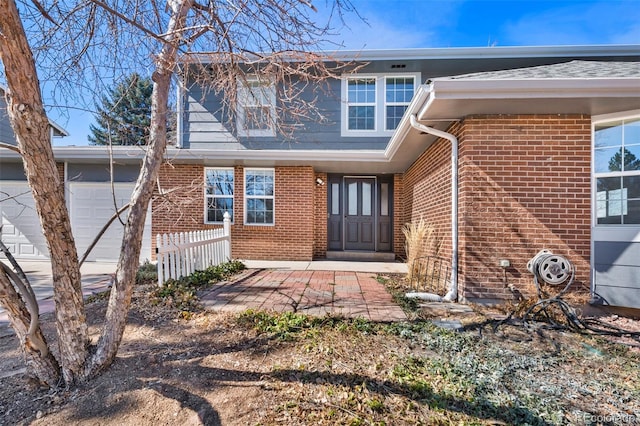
(427, 193)
(60, 167)
(398, 216)
(525, 186)
(320, 215)
(182, 209)
(181, 206)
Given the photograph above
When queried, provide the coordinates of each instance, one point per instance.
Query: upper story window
(361, 99)
(398, 94)
(374, 104)
(218, 194)
(616, 171)
(256, 115)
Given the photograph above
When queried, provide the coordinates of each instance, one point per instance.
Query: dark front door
(359, 213)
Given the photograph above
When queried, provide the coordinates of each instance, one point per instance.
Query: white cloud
(577, 23)
(383, 24)
(379, 34)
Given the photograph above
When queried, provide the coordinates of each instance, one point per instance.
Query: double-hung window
(374, 104)
(259, 196)
(361, 97)
(398, 92)
(616, 171)
(256, 112)
(218, 193)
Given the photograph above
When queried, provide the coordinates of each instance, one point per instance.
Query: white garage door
(21, 231)
(91, 205)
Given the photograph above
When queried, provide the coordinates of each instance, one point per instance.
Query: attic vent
(395, 66)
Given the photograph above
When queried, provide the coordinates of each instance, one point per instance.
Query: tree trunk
(32, 130)
(128, 263)
(40, 362)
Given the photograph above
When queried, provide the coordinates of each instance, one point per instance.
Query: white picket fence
(183, 253)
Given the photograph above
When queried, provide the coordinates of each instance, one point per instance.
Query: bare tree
(220, 40)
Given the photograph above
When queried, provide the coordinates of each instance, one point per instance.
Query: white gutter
(536, 88)
(452, 294)
(435, 53)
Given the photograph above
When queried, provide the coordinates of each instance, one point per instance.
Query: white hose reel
(551, 268)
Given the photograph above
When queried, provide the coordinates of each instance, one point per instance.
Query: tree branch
(44, 13)
(11, 147)
(25, 290)
(129, 21)
(115, 216)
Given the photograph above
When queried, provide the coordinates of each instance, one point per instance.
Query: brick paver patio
(317, 293)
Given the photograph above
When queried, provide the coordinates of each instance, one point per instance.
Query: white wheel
(553, 269)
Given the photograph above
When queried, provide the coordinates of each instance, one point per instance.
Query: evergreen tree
(631, 162)
(125, 114)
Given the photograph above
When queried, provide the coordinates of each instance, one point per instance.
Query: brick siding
(524, 186)
(60, 167)
(427, 193)
(398, 216)
(320, 216)
(182, 209)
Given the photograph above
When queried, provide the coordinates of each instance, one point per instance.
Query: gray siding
(205, 126)
(617, 273)
(6, 132)
(12, 171)
(100, 173)
(80, 172)
(77, 172)
(204, 123)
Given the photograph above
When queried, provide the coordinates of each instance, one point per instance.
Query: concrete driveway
(96, 277)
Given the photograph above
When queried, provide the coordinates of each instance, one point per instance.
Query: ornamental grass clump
(421, 239)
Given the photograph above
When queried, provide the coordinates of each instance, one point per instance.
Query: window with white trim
(361, 97)
(256, 115)
(259, 196)
(218, 193)
(398, 92)
(616, 171)
(374, 104)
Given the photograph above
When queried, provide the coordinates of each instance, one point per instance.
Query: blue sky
(464, 23)
(476, 23)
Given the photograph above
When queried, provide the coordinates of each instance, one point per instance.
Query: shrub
(182, 293)
(147, 273)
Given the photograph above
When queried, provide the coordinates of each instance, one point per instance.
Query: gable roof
(57, 129)
(568, 70)
(574, 87)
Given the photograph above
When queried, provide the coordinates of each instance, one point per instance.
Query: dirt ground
(256, 369)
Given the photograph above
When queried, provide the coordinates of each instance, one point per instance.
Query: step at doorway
(361, 256)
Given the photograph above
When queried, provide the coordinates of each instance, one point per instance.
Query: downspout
(179, 112)
(452, 294)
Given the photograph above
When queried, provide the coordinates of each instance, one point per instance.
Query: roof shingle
(566, 70)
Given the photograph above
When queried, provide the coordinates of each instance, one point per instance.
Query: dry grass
(263, 368)
(421, 239)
